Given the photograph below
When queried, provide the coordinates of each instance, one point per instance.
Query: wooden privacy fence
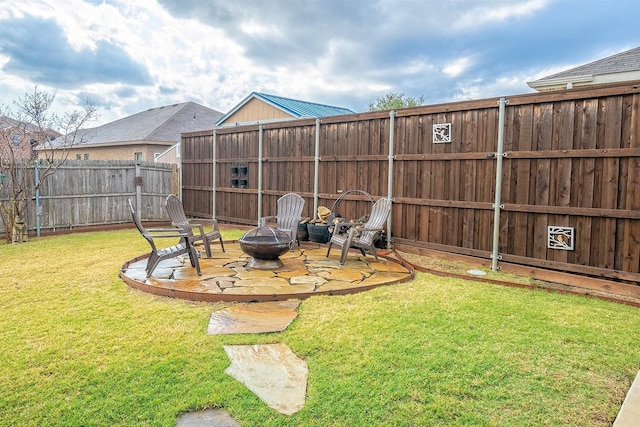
(564, 165)
(92, 193)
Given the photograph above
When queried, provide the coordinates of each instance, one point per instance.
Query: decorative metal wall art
(441, 133)
(560, 238)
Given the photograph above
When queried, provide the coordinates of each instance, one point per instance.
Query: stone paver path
(273, 372)
(253, 318)
(629, 415)
(206, 418)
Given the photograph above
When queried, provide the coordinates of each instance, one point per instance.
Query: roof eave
(560, 81)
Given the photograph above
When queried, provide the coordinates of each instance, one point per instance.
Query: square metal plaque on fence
(441, 133)
(560, 238)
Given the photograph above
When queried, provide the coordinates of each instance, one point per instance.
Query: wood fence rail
(569, 181)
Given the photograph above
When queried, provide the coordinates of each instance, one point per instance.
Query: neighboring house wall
(118, 152)
(170, 155)
(255, 110)
(144, 135)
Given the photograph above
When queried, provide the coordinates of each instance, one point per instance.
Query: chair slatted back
(175, 210)
(377, 219)
(289, 211)
(139, 226)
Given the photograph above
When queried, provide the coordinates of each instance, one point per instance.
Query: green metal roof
(296, 108)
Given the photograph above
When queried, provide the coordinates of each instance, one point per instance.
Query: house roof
(623, 62)
(293, 107)
(161, 124)
(23, 134)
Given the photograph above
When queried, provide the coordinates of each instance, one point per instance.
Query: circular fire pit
(265, 245)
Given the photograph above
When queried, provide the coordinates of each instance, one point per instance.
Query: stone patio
(225, 276)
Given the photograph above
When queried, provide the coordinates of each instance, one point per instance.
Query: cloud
(39, 51)
(132, 56)
(457, 67)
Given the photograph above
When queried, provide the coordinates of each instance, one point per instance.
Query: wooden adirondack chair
(159, 254)
(288, 215)
(347, 235)
(193, 227)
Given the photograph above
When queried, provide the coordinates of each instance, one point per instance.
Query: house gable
(624, 66)
(256, 109)
(260, 107)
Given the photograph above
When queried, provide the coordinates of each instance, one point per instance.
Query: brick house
(142, 136)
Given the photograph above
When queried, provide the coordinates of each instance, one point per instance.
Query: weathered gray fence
(93, 193)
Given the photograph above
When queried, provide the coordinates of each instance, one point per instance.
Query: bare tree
(31, 137)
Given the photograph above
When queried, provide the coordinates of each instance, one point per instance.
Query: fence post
(392, 125)
(497, 206)
(138, 182)
(38, 207)
(214, 171)
(316, 177)
(260, 159)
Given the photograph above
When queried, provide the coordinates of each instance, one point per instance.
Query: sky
(127, 56)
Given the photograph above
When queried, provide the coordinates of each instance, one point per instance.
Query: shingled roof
(160, 124)
(619, 67)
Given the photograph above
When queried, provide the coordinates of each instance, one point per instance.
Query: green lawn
(80, 348)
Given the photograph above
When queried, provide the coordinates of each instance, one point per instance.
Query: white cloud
(331, 51)
(484, 13)
(457, 67)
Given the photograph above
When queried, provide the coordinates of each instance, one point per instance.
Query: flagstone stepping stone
(208, 286)
(253, 318)
(290, 255)
(270, 290)
(262, 282)
(292, 264)
(324, 264)
(316, 254)
(138, 265)
(630, 411)
(254, 274)
(225, 282)
(170, 263)
(306, 280)
(344, 275)
(163, 273)
(271, 371)
(388, 266)
(289, 274)
(206, 263)
(206, 418)
(207, 273)
(236, 264)
(161, 283)
(137, 274)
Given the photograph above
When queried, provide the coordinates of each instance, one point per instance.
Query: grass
(79, 347)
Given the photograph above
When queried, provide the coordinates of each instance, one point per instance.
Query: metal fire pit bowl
(265, 245)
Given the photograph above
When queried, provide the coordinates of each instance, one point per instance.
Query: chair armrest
(369, 229)
(263, 220)
(158, 233)
(163, 230)
(212, 221)
(191, 227)
(340, 226)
